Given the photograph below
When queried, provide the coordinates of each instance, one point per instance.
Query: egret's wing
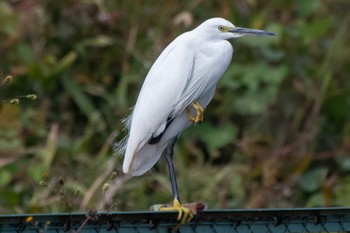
(199, 83)
(209, 63)
(159, 97)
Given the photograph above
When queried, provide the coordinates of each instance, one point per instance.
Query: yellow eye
(221, 28)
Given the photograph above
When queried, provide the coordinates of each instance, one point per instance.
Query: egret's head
(222, 29)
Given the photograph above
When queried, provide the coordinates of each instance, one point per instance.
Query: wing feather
(158, 98)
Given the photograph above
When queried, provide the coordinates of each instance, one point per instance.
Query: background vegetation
(277, 133)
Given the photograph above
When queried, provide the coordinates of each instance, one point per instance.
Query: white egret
(177, 89)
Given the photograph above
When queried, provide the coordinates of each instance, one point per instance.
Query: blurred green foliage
(277, 133)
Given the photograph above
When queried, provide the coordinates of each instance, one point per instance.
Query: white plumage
(186, 71)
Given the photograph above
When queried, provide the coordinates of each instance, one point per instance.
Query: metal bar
(237, 221)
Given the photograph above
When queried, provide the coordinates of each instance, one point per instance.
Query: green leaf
(78, 95)
(64, 63)
(25, 52)
(8, 19)
(305, 8)
(316, 200)
(255, 86)
(343, 162)
(342, 192)
(310, 31)
(216, 137)
(313, 180)
(98, 41)
(5, 177)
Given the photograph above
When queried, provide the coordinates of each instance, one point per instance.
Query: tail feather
(140, 156)
(144, 159)
(120, 147)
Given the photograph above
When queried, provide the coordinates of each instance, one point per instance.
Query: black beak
(248, 31)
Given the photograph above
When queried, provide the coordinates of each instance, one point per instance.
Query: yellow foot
(185, 214)
(199, 112)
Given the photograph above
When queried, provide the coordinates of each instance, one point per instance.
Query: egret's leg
(199, 112)
(185, 214)
(169, 154)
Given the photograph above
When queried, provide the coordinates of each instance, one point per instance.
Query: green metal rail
(235, 221)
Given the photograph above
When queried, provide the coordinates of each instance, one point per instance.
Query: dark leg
(185, 215)
(169, 154)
